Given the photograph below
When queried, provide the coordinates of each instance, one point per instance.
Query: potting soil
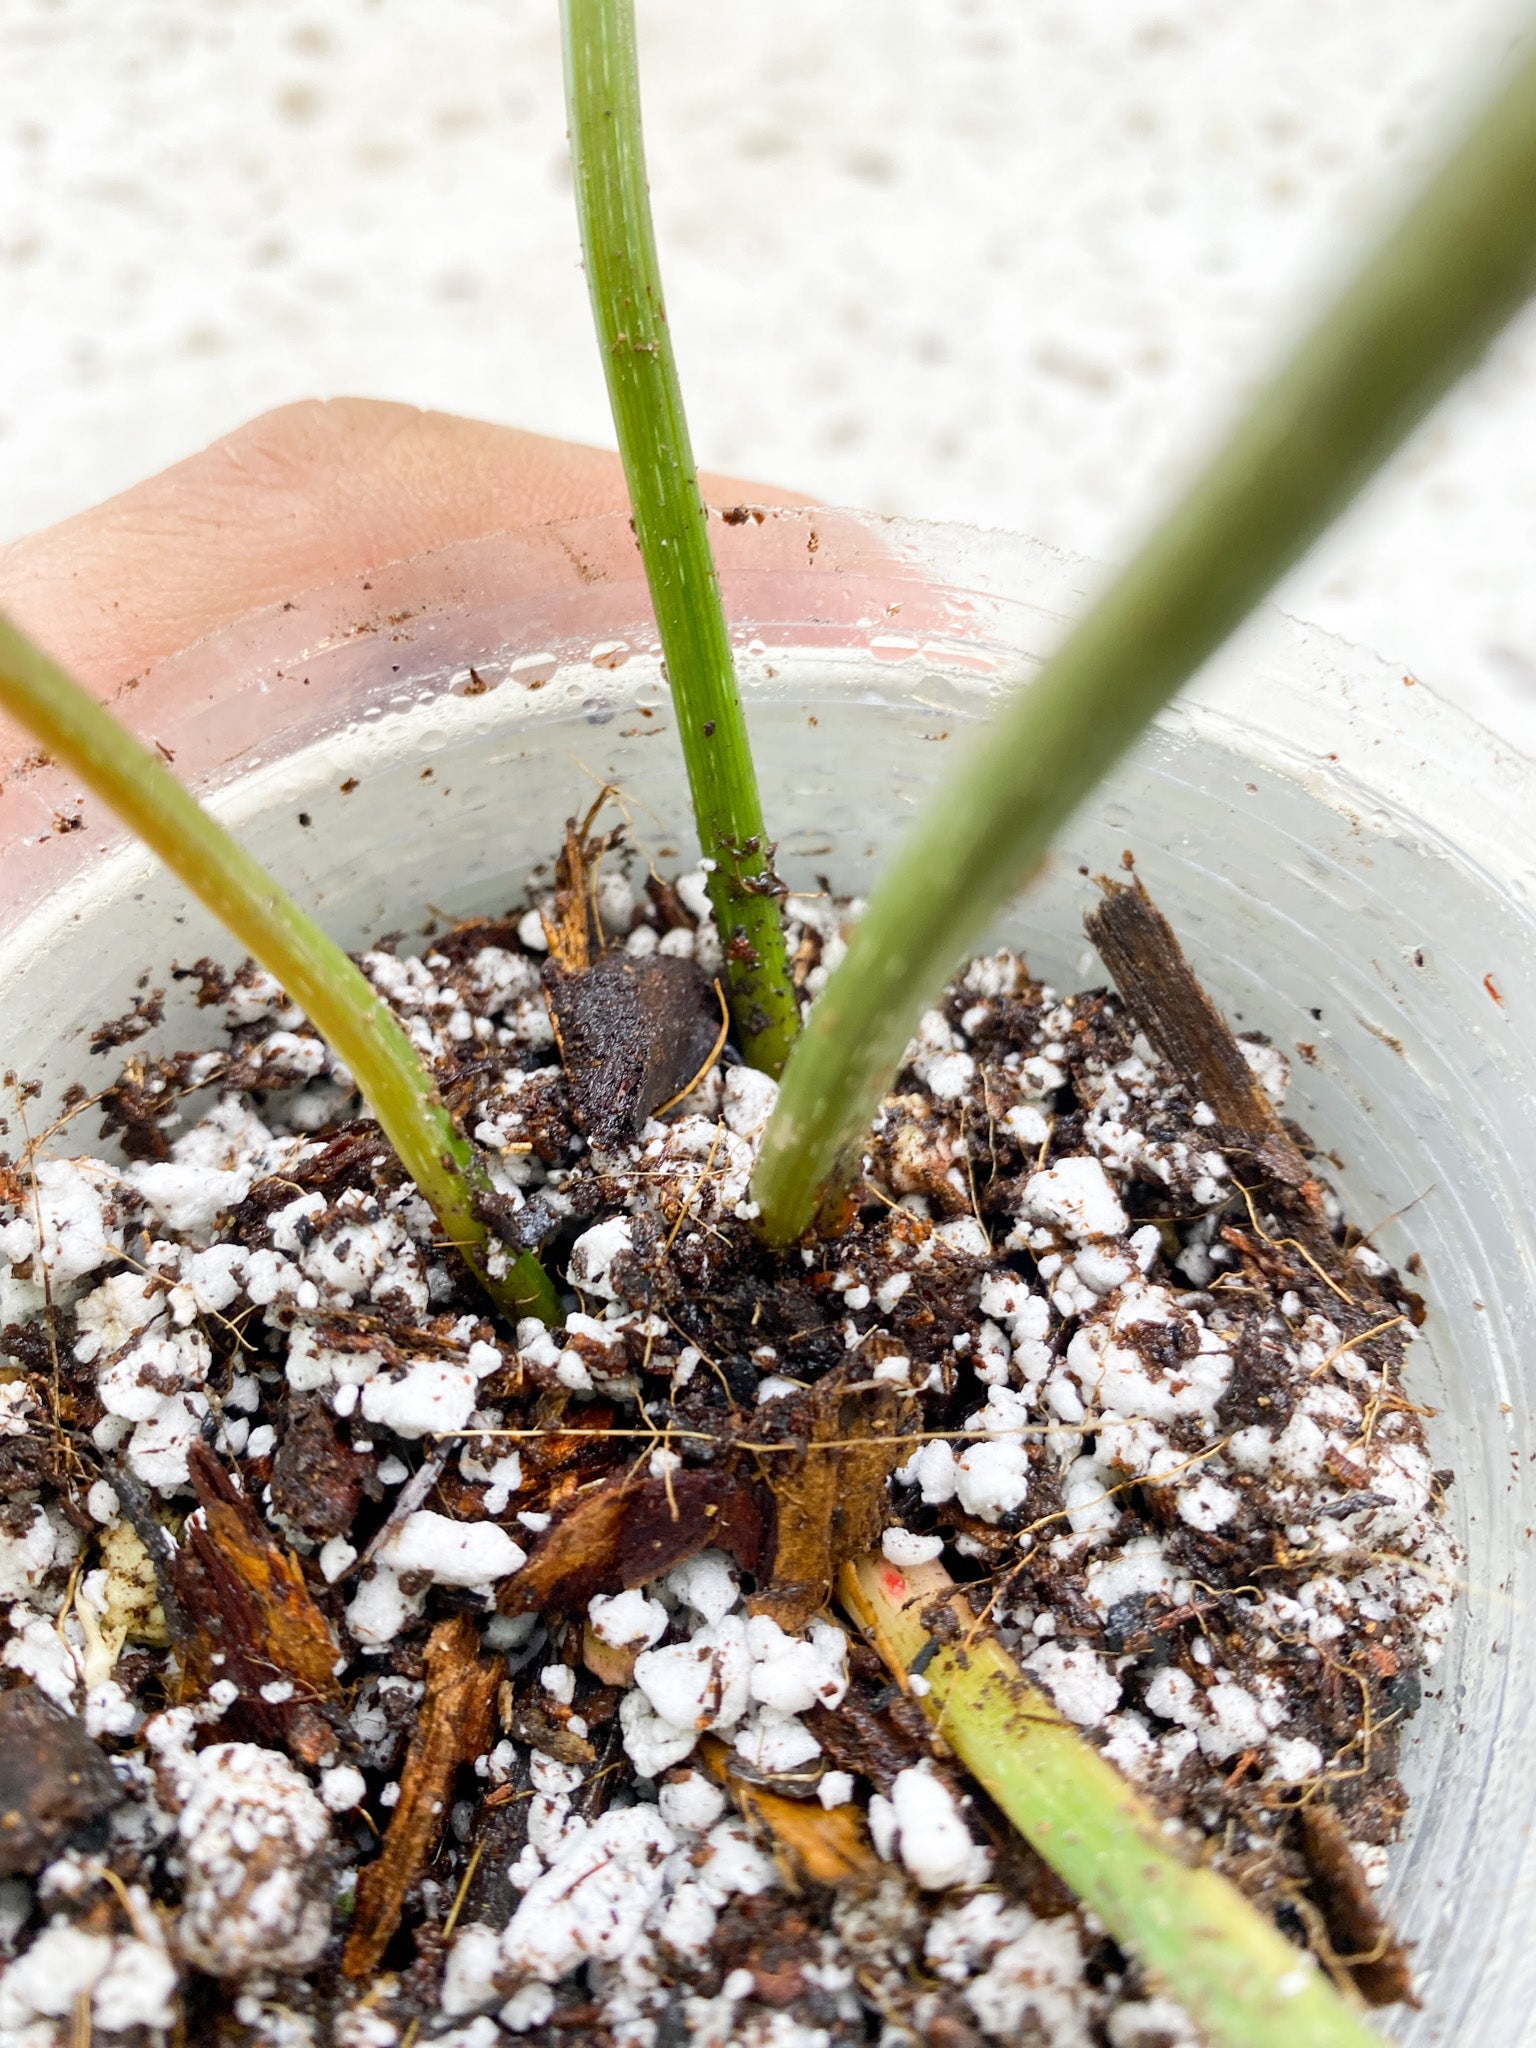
(380, 1676)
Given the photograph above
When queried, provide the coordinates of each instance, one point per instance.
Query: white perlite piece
(905, 1548)
(253, 1834)
(214, 1166)
(1207, 1504)
(432, 1397)
(1109, 1369)
(1295, 1760)
(593, 1900)
(702, 1683)
(706, 1583)
(1079, 1681)
(381, 1607)
(922, 1822)
(627, 1621)
(112, 1313)
(42, 1546)
(992, 1479)
(747, 1101)
(791, 1674)
(150, 1375)
(1037, 1976)
(651, 1743)
(690, 1805)
(125, 1982)
(451, 1553)
(1226, 1719)
(72, 1201)
(1077, 1196)
(342, 1788)
(590, 1268)
(473, 1967)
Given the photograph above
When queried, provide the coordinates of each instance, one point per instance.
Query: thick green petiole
(613, 203)
(1193, 1932)
(337, 999)
(1438, 289)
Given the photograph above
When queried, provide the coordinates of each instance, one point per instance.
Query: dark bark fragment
(53, 1780)
(1138, 946)
(624, 1533)
(317, 1478)
(632, 1035)
(250, 1608)
(1361, 1938)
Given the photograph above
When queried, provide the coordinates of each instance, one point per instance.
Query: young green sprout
(355, 1022)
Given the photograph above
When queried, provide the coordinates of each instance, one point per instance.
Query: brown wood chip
(1361, 1937)
(247, 1598)
(831, 1505)
(1138, 946)
(623, 1533)
(317, 1477)
(454, 1726)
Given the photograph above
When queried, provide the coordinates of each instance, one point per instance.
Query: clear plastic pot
(1349, 862)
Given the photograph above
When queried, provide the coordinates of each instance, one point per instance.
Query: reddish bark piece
(623, 1533)
(606, 1664)
(53, 1779)
(248, 1601)
(831, 1498)
(454, 1726)
(1361, 1937)
(632, 1035)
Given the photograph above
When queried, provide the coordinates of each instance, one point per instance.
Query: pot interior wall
(1329, 923)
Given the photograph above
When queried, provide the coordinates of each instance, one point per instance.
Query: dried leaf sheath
(811, 1844)
(831, 1504)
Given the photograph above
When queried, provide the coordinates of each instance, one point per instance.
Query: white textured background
(1006, 261)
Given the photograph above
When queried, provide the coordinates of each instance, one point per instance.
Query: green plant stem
(335, 996)
(1241, 1982)
(612, 201)
(1454, 269)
